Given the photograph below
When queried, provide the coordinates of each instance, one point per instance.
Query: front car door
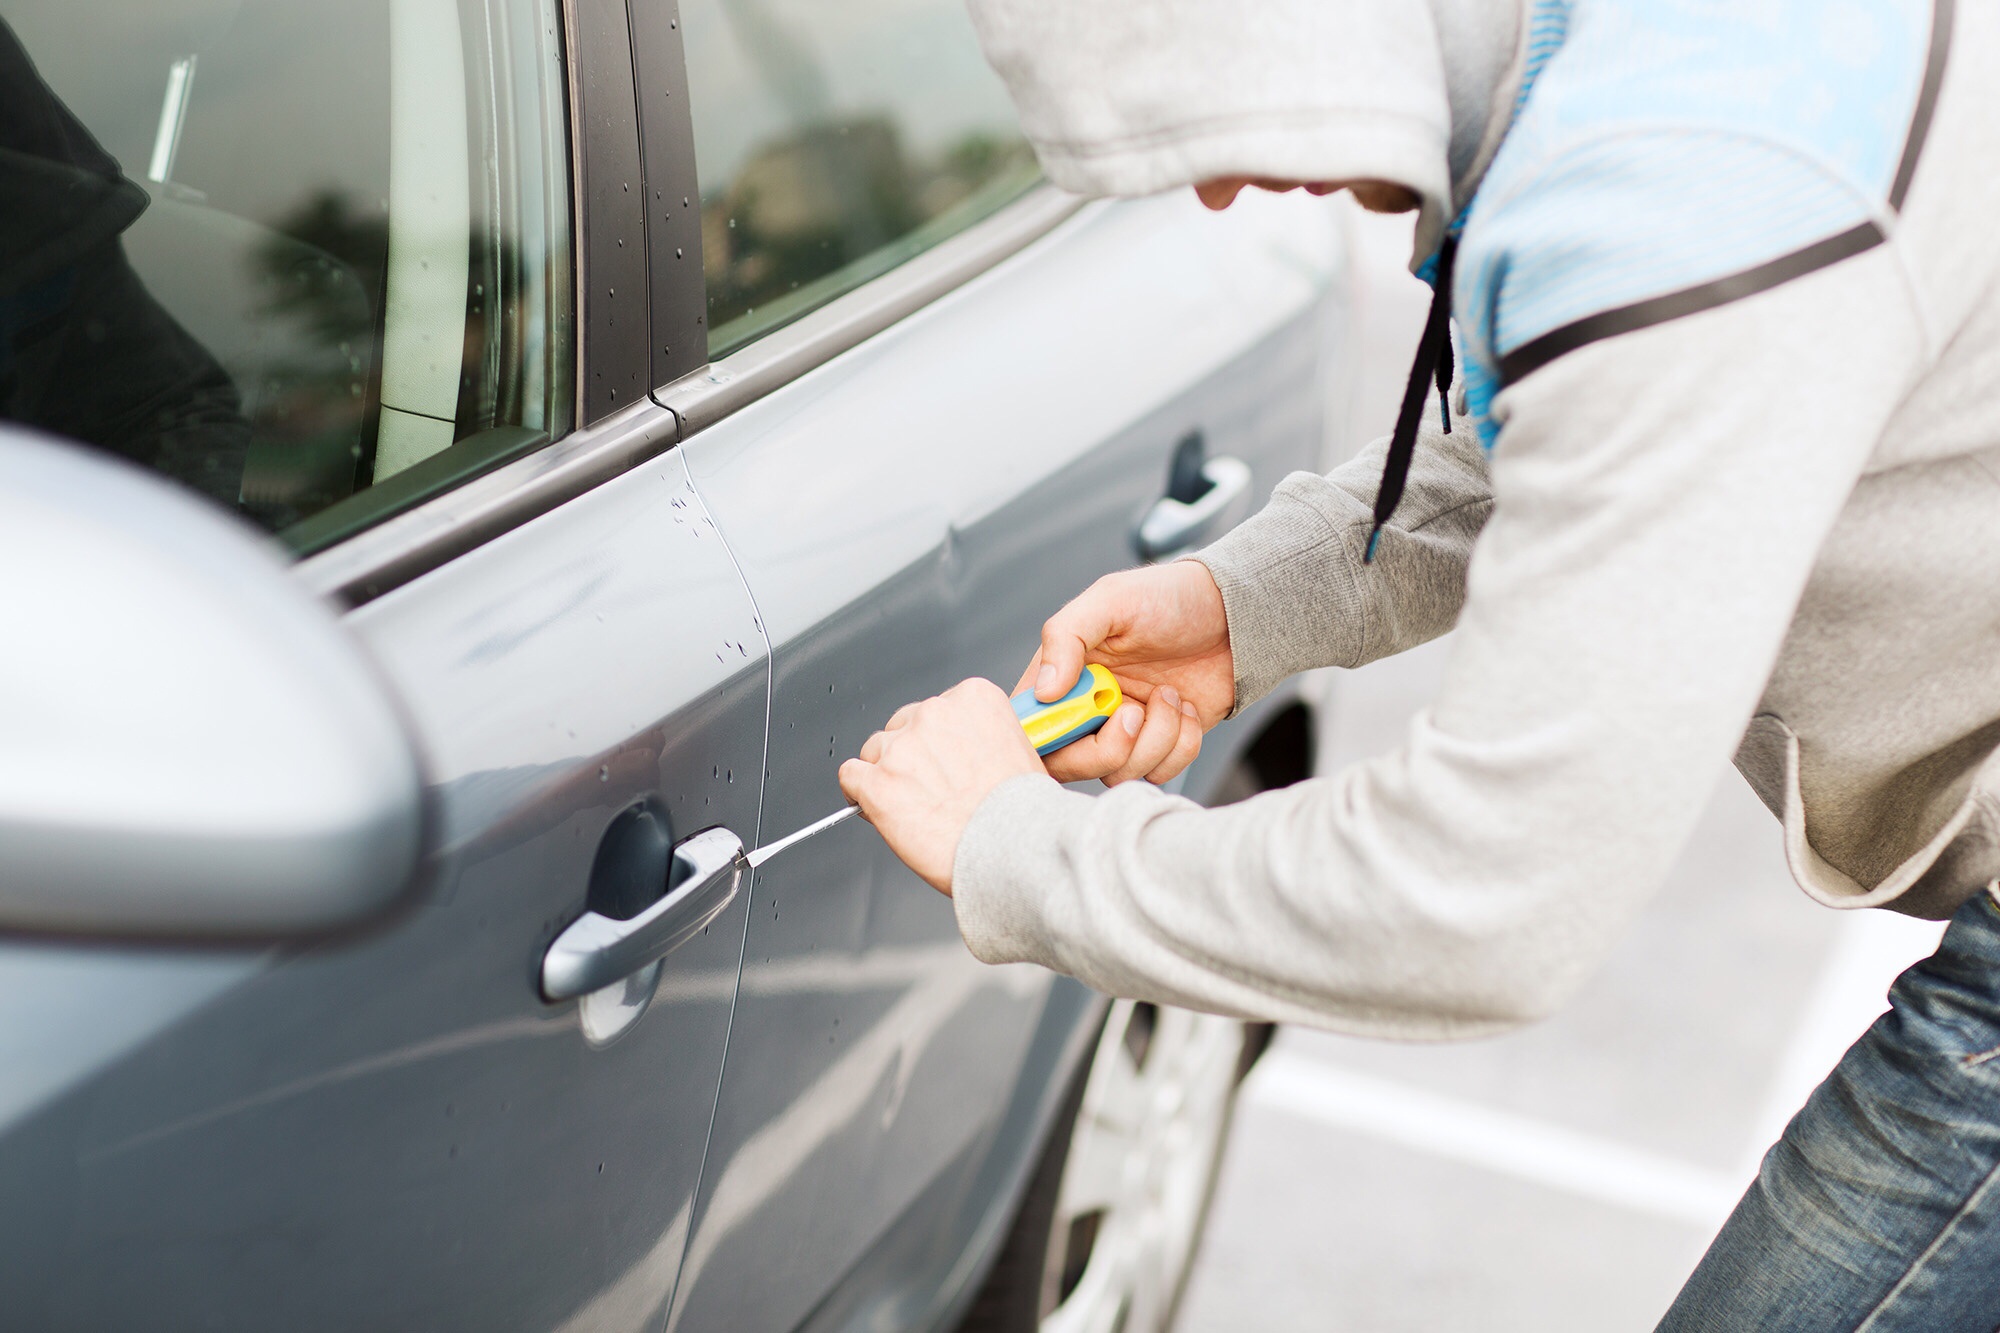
(335, 285)
(906, 508)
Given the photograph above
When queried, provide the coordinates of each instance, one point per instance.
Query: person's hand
(1162, 632)
(919, 779)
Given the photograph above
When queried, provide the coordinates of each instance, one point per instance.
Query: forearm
(1271, 909)
(1295, 589)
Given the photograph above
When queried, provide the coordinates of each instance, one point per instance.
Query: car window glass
(833, 141)
(310, 259)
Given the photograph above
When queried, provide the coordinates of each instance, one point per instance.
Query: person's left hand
(919, 779)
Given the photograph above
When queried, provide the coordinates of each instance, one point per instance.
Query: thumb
(1066, 637)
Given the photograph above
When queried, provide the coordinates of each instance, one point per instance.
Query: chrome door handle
(1173, 527)
(596, 950)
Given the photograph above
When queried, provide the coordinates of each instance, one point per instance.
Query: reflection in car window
(309, 259)
(834, 141)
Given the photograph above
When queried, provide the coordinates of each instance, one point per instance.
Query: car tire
(1107, 1229)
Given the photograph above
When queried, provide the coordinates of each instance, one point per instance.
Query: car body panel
(392, 1129)
(906, 516)
(395, 1131)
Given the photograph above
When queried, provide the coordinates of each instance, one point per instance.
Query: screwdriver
(1050, 726)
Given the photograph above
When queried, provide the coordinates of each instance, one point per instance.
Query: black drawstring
(1433, 365)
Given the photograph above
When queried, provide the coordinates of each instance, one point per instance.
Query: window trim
(677, 290)
(620, 437)
(613, 367)
(701, 392)
(578, 272)
(717, 390)
(413, 543)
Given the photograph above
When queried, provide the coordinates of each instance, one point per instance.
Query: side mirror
(190, 743)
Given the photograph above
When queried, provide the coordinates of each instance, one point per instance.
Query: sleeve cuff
(1291, 591)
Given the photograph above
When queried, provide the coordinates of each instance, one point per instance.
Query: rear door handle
(1174, 527)
(597, 950)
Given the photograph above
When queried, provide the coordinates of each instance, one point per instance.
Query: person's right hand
(1162, 632)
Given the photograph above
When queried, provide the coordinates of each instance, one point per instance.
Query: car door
(353, 283)
(943, 400)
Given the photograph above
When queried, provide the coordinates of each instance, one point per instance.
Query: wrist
(1205, 604)
(1204, 597)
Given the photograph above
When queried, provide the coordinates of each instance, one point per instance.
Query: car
(474, 467)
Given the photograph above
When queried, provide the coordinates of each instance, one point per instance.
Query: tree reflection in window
(289, 287)
(833, 143)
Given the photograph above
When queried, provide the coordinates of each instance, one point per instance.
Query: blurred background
(1566, 1177)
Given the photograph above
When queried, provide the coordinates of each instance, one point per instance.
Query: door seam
(750, 890)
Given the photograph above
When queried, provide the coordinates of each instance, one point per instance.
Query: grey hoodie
(1757, 514)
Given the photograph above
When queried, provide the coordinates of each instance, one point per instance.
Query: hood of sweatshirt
(1131, 97)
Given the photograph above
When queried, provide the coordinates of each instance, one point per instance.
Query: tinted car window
(833, 141)
(309, 259)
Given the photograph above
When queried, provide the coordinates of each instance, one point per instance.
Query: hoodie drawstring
(1434, 364)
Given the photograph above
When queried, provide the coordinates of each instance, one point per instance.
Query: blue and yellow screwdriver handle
(1088, 706)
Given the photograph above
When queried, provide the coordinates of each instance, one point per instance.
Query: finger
(1096, 755)
(1134, 688)
(1101, 753)
(901, 717)
(1185, 749)
(856, 779)
(1067, 636)
(1158, 732)
(871, 749)
(1062, 662)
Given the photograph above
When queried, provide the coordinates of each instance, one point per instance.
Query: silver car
(473, 468)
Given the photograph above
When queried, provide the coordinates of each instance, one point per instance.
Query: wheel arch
(1272, 744)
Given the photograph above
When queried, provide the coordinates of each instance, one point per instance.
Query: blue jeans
(1879, 1209)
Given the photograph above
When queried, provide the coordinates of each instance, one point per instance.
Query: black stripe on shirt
(1532, 356)
(1942, 12)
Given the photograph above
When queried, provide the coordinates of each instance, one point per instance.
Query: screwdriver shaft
(771, 849)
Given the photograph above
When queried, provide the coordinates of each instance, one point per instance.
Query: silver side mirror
(190, 744)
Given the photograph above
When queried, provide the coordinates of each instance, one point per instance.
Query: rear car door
(330, 275)
(942, 400)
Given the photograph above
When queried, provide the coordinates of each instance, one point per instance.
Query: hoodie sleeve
(1659, 499)
(1293, 584)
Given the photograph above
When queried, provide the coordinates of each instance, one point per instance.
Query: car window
(833, 141)
(308, 258)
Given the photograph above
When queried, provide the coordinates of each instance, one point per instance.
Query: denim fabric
(1879, 1209)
